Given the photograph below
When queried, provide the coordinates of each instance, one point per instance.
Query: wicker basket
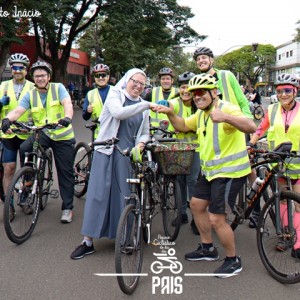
(175, 158)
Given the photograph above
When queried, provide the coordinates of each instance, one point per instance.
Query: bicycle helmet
(41, 65)
(202, 81)
(185, 77)
(203, 51)
(285, 78)
(101, 68)
(19, 58)
(166, 71)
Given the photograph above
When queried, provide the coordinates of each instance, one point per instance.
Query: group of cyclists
(208, 108)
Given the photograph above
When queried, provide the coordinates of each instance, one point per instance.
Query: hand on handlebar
(6, 125)
(136, 153)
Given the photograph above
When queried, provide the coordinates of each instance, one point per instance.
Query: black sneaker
(253, 220)
(82, 250)
(229, 268)
(296, 253)
(194, 228)
(203, 254)
(282, 246)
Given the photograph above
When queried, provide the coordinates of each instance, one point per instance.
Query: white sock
(89, 243)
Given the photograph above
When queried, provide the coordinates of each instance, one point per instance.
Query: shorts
(220, 192)
(10, 149)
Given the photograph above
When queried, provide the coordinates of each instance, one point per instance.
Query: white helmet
(19, 58)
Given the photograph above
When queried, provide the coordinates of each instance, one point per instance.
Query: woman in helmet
(11, 91)
(220, 127)
(285, 127)
(184, 107)
(95, 98)
(229, 88)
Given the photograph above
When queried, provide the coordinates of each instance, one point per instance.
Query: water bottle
(255, 186)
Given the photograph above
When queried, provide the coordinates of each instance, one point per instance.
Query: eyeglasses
(18, 68)
(100, 75)
(136, 82)
(199, 93)
(287, 91)
(40, 76)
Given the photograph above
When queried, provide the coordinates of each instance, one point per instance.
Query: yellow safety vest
(8, 88)
(222, 154)
(96, 101)
(157, 94)
(184, 112)
(51, 114)
(276, 135)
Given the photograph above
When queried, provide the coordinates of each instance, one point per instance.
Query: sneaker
(194, 228)
(253, 220)
(203, 254)
(282, 245)
(82, 250)
(184, 220)
(296, 253)
(67, 215)
(229, 268)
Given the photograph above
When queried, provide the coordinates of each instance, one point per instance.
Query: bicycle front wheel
(46, 179)
(82, 167)
(280, 262)
(21, 207)
(171, 207)
(128, 250)
(258, 112)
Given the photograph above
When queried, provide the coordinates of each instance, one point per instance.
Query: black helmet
(41, 65)
(285, 78)
(185, 77)
(203, 51)
(166, 71)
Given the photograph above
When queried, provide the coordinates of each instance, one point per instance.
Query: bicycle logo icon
(173, 265)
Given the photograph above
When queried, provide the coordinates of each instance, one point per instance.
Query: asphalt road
(41, 268)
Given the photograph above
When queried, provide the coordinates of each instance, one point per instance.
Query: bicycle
(83, 155)
(282, 266)
(29, 188)
(1, 173)
(258, 111)
(151, 187)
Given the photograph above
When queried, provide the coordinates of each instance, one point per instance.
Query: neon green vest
(184, 112)
(51, 114)
(157, 94)
(8, 87)
(276, 135)
(95, 100)
(221, 155)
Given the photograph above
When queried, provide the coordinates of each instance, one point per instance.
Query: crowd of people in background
(210, 108)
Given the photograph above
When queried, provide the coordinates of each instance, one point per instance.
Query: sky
(228, 23)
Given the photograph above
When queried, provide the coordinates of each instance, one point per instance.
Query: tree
(139, 33)
(297, 36)
(9, 25)
(248, 62)
(56, 29)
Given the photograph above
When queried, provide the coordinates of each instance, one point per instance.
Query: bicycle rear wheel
(82, 167)
(46, 179)
(25, 202)
(281, 265)
(258, 112)
(128, 250)
(171, 207)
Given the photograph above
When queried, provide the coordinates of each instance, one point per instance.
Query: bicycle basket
(175, 158)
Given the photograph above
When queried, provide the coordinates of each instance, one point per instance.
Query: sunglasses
(287, 91)
(199, 93)
(100, 75)
(138, 83)
(18, 68)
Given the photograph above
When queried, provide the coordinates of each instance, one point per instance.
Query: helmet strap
(208, 107)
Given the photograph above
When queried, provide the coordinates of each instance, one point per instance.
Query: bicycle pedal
(54, 194)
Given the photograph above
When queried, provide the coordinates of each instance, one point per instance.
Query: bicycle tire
(282, 266)
(258, 112)
(20, 195)
(82, 167)
(128, 250)
(46, 179)
(171, 208)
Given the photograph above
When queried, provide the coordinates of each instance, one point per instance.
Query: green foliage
(247, 62)
(297, 35)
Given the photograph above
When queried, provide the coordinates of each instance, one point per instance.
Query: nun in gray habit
(125, 115)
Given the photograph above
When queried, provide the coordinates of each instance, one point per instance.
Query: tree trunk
(4, 55)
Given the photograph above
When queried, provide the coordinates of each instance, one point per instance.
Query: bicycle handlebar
(29, 127)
